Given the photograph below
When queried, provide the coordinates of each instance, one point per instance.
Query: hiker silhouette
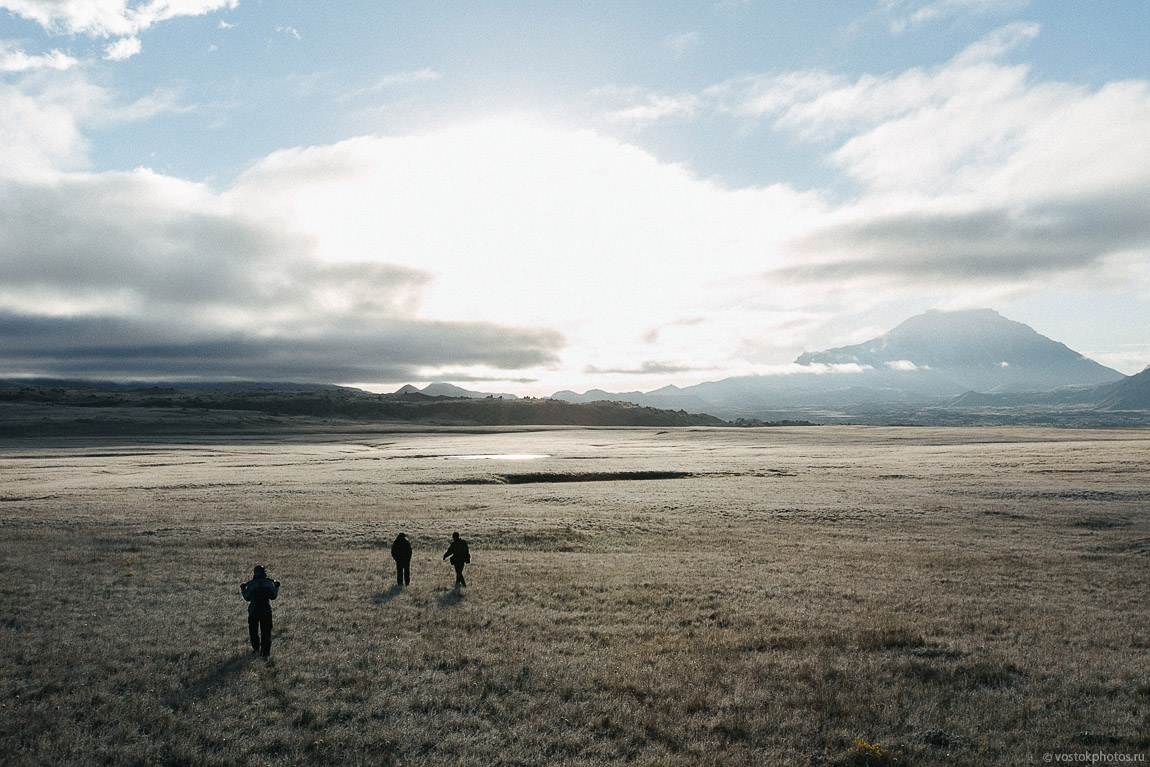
(258, 593)
(460, 555)
(401, 553)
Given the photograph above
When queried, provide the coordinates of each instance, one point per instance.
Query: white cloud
(108, 18)
(972, 172)
(142, 275)
(13, 59)
(398, 79)
(39, 130)
(405, 78)
(43, 116)
(906, 14)
(681, 45)
(971, 180)
(123, 49)
(644, 108)
(656, 108)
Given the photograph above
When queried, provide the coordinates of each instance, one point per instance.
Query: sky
(532, 196)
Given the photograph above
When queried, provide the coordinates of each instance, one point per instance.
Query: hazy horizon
(555, 197)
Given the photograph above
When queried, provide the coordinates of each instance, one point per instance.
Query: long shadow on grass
(451, 598)
(213, 678)
(382, 597)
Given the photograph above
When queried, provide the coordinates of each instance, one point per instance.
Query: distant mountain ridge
(929, 359)
(940, 368)
(1131, 393)
(451, 390)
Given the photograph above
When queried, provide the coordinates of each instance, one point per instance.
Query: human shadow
(451, 597)
(383, 597)
(211, 679)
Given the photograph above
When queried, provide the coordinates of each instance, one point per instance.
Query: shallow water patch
(547, 477)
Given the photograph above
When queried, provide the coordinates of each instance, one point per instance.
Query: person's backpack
(466, 551)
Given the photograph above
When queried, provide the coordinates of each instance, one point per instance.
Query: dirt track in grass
(638, 596)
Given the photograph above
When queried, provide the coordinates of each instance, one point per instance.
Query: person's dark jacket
(458, 552)
(401, 549)
(258, 593)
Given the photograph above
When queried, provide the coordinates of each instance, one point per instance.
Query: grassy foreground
(830, 596)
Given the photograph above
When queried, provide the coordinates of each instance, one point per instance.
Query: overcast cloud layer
(556, 244)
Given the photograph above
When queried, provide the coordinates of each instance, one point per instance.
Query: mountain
(667, 398)
(930, 359)
(1132, 393)
(977, 350)
(450, 390)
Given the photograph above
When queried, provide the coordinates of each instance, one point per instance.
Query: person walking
(460, 555)
(401, 553)
(258, 593)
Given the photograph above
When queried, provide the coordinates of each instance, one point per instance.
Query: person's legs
(266, 638)
(459, 574)
(399, 572)
(254, 632)
(406, 573)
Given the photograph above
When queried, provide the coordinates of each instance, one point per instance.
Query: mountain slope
(979, 350)
(1131, 393)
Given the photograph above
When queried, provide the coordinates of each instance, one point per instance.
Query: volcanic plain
(828, 595)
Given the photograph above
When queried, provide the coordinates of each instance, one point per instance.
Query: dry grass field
(806, 596)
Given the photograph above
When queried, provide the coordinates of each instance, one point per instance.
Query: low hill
(52, 411)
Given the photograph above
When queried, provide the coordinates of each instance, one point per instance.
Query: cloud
(524, 224)
(123, 49)
(14, 60)
(509, 247)
(681, 45)
(972, 173)
(646, 368)
(652, 107)
(823, 107)
(137, 275)
(119, 348)
(495, 249)
(108, 18)
(44, 115)
(39, 128)
(906, 14)
(398, 79)
(984, 245)
(814, 369)
(405, 78)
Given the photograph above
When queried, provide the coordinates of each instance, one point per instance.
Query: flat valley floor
(822, 596)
